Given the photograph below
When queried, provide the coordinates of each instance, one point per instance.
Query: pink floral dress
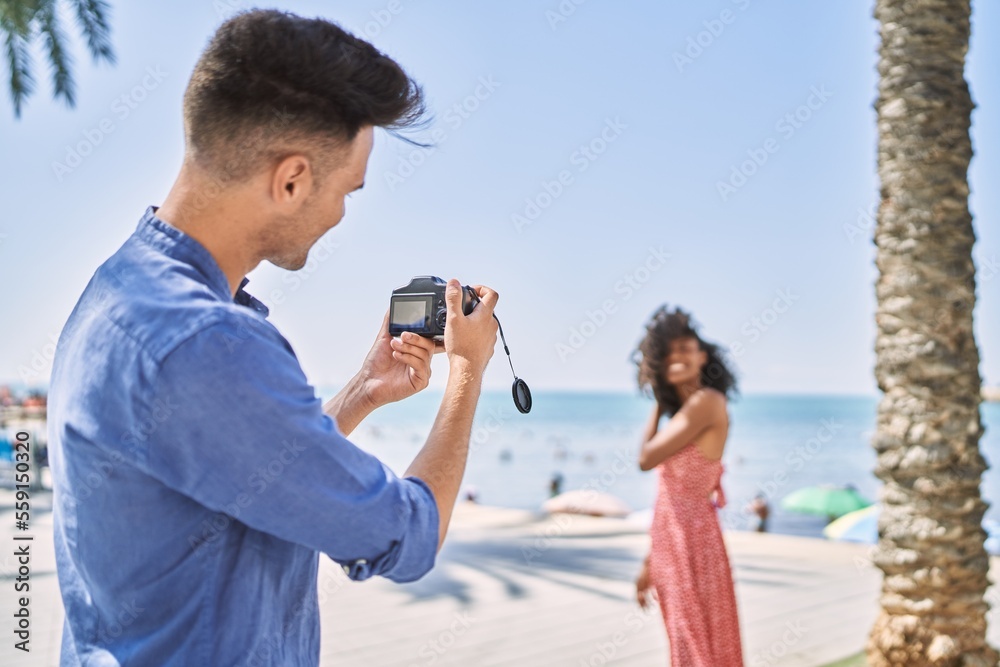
(689, 566)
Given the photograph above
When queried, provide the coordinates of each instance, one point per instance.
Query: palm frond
(59, 60)
(93, 18)
(19, 14)
(22, 82)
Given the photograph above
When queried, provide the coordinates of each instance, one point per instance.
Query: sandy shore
(514, 588)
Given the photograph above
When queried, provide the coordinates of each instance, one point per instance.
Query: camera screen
(412, 314)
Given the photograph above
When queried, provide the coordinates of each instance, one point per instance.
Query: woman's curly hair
(666, 326)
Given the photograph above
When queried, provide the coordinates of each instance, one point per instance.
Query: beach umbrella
(643, 518)
(592, 503)
(862, 526)
(857, 526)
(825, 500)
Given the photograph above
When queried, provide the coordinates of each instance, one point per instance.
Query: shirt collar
(174, 243)
(244, 298)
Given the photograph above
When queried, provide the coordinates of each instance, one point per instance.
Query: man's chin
(290, 263)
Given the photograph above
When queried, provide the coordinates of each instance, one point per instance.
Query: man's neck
(214, 224)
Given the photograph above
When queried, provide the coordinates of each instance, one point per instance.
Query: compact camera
(419, 307)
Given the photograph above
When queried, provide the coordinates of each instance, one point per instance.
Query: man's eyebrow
(359, 187)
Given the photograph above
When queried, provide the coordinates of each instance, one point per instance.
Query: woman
(687, 569)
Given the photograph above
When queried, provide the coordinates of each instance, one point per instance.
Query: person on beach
(761, 512)
(197, 475)
(687, 570)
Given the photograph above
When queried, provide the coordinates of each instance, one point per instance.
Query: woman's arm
(699, 413)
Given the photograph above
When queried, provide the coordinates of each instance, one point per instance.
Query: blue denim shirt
(197, 477)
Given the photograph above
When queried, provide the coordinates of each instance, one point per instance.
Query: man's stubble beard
(290, 263)
(284, 243)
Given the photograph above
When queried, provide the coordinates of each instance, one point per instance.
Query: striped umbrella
(857, 526)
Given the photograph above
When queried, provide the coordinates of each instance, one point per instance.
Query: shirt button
(358, 570)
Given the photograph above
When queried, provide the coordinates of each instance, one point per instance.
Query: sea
(777, 444)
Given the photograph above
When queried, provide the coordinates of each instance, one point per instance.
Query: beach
(514, 588)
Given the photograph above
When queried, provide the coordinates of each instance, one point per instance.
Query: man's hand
(397, 368)
(393, 370)
(470, 339)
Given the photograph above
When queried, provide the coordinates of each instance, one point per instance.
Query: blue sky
(587, 165)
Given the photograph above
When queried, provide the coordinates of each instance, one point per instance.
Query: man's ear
(292, 181)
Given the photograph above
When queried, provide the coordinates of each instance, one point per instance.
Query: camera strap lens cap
(522, 395)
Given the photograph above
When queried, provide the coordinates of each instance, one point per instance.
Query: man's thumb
(453, 296)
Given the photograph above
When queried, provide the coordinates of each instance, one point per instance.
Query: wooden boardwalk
(514, 589)
(511, 589)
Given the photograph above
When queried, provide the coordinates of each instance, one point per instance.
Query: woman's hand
(645, 594)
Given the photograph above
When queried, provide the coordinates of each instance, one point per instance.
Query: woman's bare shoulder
(709, 400)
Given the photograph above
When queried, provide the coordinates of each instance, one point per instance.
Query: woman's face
(684, 361)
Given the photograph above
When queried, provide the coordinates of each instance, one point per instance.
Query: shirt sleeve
(238, 428)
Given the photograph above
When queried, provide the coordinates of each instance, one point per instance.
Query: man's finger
(418, 340)
(453, 297)
(422, 356)
(419, 366)
(487, 295)
(415, 350)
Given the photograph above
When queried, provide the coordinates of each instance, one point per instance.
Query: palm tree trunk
(931, 538)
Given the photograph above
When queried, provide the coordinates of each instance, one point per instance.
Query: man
(197, 475)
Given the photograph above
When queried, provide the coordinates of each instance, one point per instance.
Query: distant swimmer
(555, 485)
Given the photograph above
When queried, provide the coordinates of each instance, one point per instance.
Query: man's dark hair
(666, 326)
(270, 82)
